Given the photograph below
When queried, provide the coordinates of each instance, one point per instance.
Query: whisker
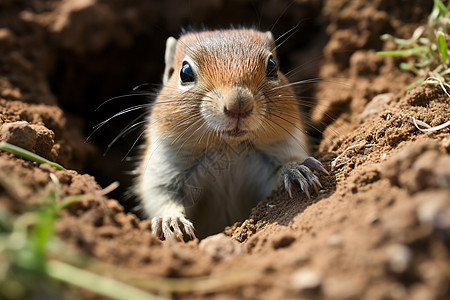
(134, 144)
(300, 67)
(290, 35)
(181, 135)
(284, 119)
(267, 123)
(306, 81)
(287, 131)
(281, 15)
(129, 128)
(289, 30)
(204, 132)
(126, 131)
(298, 118)
(162, 138)
(127, 110)
(98, 126)
(181, 123)
(136, 88)
(193, 134)
(133, 128)
(124, 96)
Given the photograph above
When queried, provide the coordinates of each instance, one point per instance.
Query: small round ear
(272, 45)
(169, 58)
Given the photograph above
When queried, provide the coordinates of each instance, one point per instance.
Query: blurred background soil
(379, 228)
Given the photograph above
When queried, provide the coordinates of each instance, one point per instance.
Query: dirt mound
(379, 228)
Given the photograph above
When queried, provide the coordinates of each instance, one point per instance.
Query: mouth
(236, 132)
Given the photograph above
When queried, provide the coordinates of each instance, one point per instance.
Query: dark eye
(272, 68)
(186, 73)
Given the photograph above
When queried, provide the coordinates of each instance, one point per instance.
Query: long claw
(314, 165)
(156, 227)
(173, 226)
(176, 229)
(288, 185)
(302, 174)
(166, 227)
(304, 188)
(188, 227)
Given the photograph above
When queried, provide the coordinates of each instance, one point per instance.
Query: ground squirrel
(223, 132)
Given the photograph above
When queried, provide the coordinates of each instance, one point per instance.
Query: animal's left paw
(176, 226)
(302, 174)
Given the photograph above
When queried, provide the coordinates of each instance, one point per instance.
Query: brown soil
(379, 228)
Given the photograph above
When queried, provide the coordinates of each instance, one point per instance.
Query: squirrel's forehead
(224, 44)
(227, 36)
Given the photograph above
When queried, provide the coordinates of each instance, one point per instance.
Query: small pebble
(20, 134)
(7, 39)
(400, 257)
(446, 144)
(427, 211)
(306, 279)
(420, 291)
(376, 105)
(221, 247)
(339, 288)
(372, 218)
(335, 240)
(13, 93)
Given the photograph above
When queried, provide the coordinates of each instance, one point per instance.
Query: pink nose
(238, 102)
(235, 112)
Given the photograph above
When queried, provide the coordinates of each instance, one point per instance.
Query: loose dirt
(379, 228)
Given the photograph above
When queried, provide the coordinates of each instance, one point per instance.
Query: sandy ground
(379, 228)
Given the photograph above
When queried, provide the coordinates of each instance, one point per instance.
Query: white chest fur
(225, 185)
(216, 188)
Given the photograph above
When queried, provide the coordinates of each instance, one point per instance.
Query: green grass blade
(404, 66)
(28, 155)
(435, 13)
(5, 221)
(442, 44)
(96, 283)
(42, 233)
(403, 52)
(423, 64)
(401, 42)
(442, 9)
(69, 200)
(424, 41)
(414, 84)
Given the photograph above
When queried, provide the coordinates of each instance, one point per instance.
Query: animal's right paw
(302, 173)
(173, 226)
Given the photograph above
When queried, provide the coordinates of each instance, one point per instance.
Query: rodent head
(225, 85)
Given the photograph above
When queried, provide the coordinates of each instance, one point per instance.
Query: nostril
(237, 113)
(230, 113)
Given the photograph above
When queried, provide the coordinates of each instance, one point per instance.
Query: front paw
(176, 226)
(302, 174)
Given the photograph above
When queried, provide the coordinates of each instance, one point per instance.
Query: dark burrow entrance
(89, 82)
